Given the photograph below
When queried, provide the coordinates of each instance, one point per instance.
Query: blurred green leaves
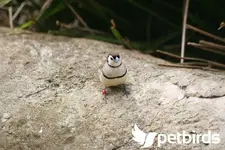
(147, 24)
(27, 24)
(4, 2)
(56, 7)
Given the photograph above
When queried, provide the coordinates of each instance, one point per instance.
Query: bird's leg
(126, 92)
(104, 92)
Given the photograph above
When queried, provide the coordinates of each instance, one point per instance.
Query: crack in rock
(212, 96)
(36, 92)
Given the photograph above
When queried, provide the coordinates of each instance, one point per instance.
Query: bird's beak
(117, 60)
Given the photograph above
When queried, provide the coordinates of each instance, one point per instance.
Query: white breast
(110, 72)
(112, 82)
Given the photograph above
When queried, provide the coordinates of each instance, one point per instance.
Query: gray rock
(5, 117)
(52, 83)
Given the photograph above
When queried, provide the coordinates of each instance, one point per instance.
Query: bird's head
(114, 59)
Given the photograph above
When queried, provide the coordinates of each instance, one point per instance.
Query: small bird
(114, 72)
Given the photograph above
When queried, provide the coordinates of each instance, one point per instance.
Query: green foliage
(56, 7)
(27, 24)
(149, 24)
(4, 2)
(116, 34)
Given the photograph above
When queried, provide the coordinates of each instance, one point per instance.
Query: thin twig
(113, 23)
(10, 17)
(191, 58)
(92, 30)
(187, 66)
(205, 48)
(222, 25)
(205, 33)
(184, 29)
(180, 66)
(78, 16)
(84, 29)
(211, 44)
(18, 10)
(44, 7)
(196, 63)
(116, 33)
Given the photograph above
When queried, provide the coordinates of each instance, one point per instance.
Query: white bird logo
(142, 138)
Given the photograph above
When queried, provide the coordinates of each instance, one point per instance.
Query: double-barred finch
(114, 71)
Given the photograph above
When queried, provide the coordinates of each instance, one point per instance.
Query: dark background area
(148, 24)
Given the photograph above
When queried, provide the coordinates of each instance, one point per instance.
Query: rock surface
(50, 97)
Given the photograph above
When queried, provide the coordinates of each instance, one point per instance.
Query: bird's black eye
(111, 58)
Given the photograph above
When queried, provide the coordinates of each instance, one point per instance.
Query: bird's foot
(104, 92)
(126, 92)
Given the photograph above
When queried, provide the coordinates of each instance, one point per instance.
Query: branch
(222, 25)
(184, 30)
(190, 58)
(10, 17)
(83, 29)
(78, 16)
(180, 66)
(211, 44)
(205, 33)
(117, 34)
(18, 10)
(44, 7)
(205, 48)
(187, 66)
(196, 63)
